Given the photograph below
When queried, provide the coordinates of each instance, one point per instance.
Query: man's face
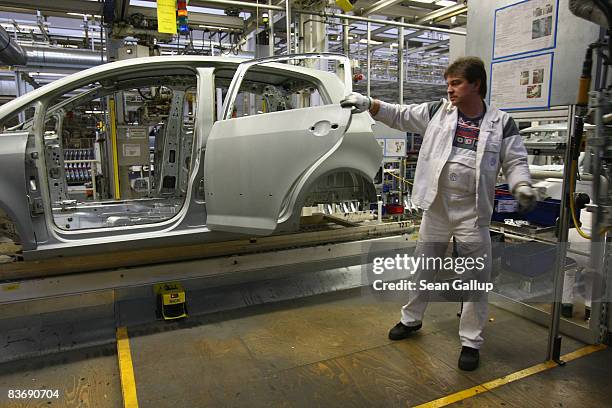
(460, 90)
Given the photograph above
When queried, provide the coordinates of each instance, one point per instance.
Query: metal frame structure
(379, 17)
(591, 333)
(190, 222)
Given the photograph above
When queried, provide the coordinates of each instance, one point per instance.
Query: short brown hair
(470, 68)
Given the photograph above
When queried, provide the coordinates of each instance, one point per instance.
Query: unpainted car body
(228, 175)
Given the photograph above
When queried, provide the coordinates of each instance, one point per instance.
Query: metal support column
(305, 42)
(288, 25)
(600, 295)
(270, 30)
(368, 58)
(102, 42)
(400, 62)
(19, 90)
(554, 339)
(346, 48)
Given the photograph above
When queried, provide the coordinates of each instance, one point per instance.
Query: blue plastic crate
(532, 258)
(545, 213)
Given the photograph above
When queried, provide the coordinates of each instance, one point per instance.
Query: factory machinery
(600, 152)
(593, 107)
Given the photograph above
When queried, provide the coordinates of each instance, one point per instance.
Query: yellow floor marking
(489, 385)
(126, 369)
(583, 352)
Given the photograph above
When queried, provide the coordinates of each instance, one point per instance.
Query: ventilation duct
(11, 53)
(55, 57)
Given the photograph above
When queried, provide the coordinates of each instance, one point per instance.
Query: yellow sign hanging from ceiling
(166, 16)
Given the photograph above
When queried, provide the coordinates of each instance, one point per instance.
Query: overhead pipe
(546, 174)
(61, 57)
(11, 53)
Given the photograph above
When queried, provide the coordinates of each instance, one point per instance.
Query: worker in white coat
(465, 141)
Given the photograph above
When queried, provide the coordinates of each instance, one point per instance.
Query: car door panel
(252, 162)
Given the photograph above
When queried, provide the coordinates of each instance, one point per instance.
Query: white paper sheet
(525, 27)
(521, 83)
(395, 147)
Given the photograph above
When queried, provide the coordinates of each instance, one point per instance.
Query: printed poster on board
(524, 27)
(522, 83)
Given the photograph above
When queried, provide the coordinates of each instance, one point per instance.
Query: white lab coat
(460, 203)
(499, 143)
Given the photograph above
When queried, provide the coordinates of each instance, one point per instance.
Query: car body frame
(249, 174)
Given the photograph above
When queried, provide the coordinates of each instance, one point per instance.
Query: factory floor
(328, 350)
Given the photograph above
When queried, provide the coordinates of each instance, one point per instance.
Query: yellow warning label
(166, 16)
(10, 286)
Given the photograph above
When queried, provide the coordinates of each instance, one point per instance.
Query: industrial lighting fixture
(443, 13)
(19, 27)
(181, 12)
(450, 14)
(51, 74)
(372, 42)
(84, 15)
(217, 28)
(445, 3)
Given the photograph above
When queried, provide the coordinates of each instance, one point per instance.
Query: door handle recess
(323, 127)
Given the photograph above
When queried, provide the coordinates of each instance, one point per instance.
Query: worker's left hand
(526, 197)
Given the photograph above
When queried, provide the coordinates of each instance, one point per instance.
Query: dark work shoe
(468, 360)
(401, 331)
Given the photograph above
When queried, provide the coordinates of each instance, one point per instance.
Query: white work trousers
(453, 213)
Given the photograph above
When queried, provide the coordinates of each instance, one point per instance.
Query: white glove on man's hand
(359, 103)
(526, 197)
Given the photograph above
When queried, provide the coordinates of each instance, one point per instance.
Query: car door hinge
(36, 205)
